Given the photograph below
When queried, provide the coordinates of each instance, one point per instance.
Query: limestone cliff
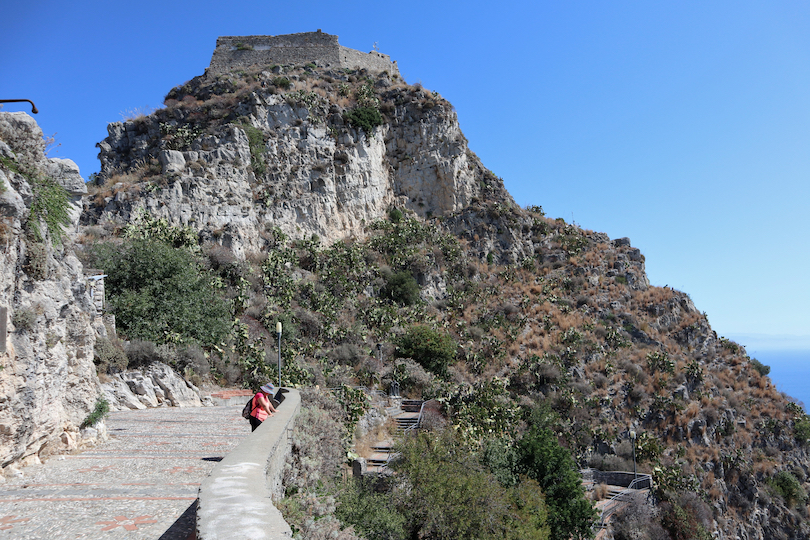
(234, 155)
(48, 382)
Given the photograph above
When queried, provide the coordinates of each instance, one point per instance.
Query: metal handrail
(418, 420)
(610, 507)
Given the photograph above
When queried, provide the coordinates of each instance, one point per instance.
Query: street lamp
(33, 107)
(633, 438)
(278, 331)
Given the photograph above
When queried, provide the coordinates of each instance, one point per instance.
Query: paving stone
(141, 484)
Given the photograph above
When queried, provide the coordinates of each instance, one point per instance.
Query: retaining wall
(235, 502)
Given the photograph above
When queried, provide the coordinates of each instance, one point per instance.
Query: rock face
(156, 386)
(291, 161)
(48, 382)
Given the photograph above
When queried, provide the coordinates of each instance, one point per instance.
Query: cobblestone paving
(141, 484)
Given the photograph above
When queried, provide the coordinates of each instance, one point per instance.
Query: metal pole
(278, 331)
(633, 438)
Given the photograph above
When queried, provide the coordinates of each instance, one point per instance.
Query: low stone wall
(235, 500)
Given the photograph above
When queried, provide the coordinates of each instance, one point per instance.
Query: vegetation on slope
(513, 313)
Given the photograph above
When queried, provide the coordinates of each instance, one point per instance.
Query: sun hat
(268, 388)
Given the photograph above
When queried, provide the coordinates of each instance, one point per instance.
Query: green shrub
(109, 356)
(370, 512)
(146, 227)
(50, 205)
(162, 294)
(801, 429)
(450, 495)
(365, 118)
(395, 215)
(24, 319)
(761, 368)
(788, 487)
(401, 288)
(282, 82)
(100, 411)
(430, 348)
(256, 141)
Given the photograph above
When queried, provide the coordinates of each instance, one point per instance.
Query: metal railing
(613, 503)
(414, 427)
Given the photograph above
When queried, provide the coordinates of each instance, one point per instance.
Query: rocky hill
(347, 204)
(48, 383)
(233, 154)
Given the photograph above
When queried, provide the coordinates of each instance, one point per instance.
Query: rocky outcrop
(48, 382)
(291, 161)
(156, 386)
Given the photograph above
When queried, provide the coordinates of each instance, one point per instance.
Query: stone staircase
(382, 452)
(407, 415)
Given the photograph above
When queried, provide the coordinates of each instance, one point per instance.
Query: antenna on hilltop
(375, 47)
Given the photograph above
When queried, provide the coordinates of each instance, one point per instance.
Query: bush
(282, 82)
(24, 319)
(365, 118)
(395, 215)
(371, 513)
(682, 524)
(101, 409)
(141, 353)
(401, 288)
(450, 495)
(161, 294)
(412, 378)
(801, 429)
(637, 521)
(761, 368)
(433, 350)
(788, 487)
(36, 263)
(109, 356)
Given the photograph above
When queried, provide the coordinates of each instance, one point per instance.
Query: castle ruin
(234, 52)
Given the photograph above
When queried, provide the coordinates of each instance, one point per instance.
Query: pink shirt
(258, 411)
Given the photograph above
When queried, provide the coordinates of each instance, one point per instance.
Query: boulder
(157, 385)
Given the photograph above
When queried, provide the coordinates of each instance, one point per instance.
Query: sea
(790, 371)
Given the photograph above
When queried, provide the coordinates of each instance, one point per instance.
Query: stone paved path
(141, 484)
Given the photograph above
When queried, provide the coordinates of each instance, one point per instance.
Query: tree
(542, 458)
(447, 494)
(434, 350)
(401, 288)
(162, 294)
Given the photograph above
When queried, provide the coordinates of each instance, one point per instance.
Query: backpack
(248, 408)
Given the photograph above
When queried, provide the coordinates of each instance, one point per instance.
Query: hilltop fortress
(234, 52)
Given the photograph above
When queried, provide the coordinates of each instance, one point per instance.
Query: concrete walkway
(141, 484)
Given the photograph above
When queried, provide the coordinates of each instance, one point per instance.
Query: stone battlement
(235, 52)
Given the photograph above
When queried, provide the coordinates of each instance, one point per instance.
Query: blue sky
(684, 126)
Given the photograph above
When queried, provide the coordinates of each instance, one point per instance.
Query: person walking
(262, 406)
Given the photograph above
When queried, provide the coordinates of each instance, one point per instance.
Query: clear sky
(682, 125)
